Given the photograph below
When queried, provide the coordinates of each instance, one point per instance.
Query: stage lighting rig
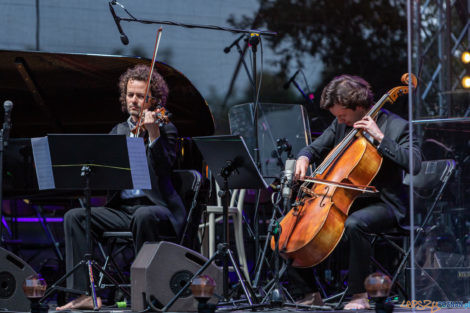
(465, 57)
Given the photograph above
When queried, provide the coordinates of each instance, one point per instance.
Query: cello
(314, 226)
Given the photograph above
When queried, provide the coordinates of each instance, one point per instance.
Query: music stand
(89, 162)
(228, 156)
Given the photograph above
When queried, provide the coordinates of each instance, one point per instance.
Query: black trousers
(367, 216)
(145, 222)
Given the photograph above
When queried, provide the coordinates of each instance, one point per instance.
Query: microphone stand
(1, 187)
(254, 41)
(3, 143)
(242, 57)
(306, 97)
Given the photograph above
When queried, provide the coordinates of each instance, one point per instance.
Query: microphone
(7, 107)
(124, 39)
(286, 85)
(227, 49)
(254, 41)
(287, 178)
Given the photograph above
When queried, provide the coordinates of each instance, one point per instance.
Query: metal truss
(441, 33)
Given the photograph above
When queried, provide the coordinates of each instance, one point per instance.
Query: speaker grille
(178, 280)
(7, 285)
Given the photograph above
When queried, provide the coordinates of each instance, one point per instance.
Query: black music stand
(89, 162)
(229, 157)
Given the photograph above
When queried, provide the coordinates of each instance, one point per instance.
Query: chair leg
(400, 287)
(238, 230)
(340, 295)
(110, 262)
(104, 267)
(202, 235)
(211, 234)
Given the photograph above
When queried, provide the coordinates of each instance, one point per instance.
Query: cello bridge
(309, 192)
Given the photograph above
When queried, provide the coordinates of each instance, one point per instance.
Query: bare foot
(81, 303)
(311, 299)
(359, 301)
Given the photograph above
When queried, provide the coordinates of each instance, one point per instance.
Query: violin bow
(145, 105)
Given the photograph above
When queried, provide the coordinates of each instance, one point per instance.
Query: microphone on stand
(286, 85)
(117, 20)
(287, 179)
(7, 107)
(254, 40)
(227, 49)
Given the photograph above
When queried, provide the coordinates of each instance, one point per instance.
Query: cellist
(147, 213)
(349, 98)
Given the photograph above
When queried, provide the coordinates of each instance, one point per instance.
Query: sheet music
(138, 162)
(42, 160)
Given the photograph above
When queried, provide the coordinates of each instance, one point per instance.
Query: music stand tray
(117, 162)
(218, 150)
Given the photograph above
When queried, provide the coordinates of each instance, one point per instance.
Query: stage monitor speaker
(13, 272)
(161, 269)
(281, 127)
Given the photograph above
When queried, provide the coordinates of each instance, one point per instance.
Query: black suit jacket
(161, 156)
(394, 149)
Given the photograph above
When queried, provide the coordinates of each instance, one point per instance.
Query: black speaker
(13, 272)
(161, 269)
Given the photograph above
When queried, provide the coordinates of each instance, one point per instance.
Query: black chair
(187, 184)
(429, 183)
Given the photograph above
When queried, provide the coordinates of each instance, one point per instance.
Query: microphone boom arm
(228, 29)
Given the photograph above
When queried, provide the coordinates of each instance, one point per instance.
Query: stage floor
(278, 310)
(289, 310)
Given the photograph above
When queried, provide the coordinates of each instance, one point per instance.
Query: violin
(162, 116)
(314, 226)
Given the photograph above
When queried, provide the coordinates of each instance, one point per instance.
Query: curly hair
(347, 90)
(158, 86)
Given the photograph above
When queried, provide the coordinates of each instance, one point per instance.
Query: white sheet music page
(42, 160)
(138, 162)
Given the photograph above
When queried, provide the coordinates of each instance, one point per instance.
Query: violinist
(349, 98)
(147, 213)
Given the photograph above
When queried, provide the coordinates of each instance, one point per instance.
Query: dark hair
(347, 90)
(158, 86)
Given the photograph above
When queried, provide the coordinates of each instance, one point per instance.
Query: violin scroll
(162, 117)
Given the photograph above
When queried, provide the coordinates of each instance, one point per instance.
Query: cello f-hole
(322, 202)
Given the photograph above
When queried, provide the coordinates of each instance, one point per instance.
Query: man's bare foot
(81, 303)
(359, 301)
(313, 298)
